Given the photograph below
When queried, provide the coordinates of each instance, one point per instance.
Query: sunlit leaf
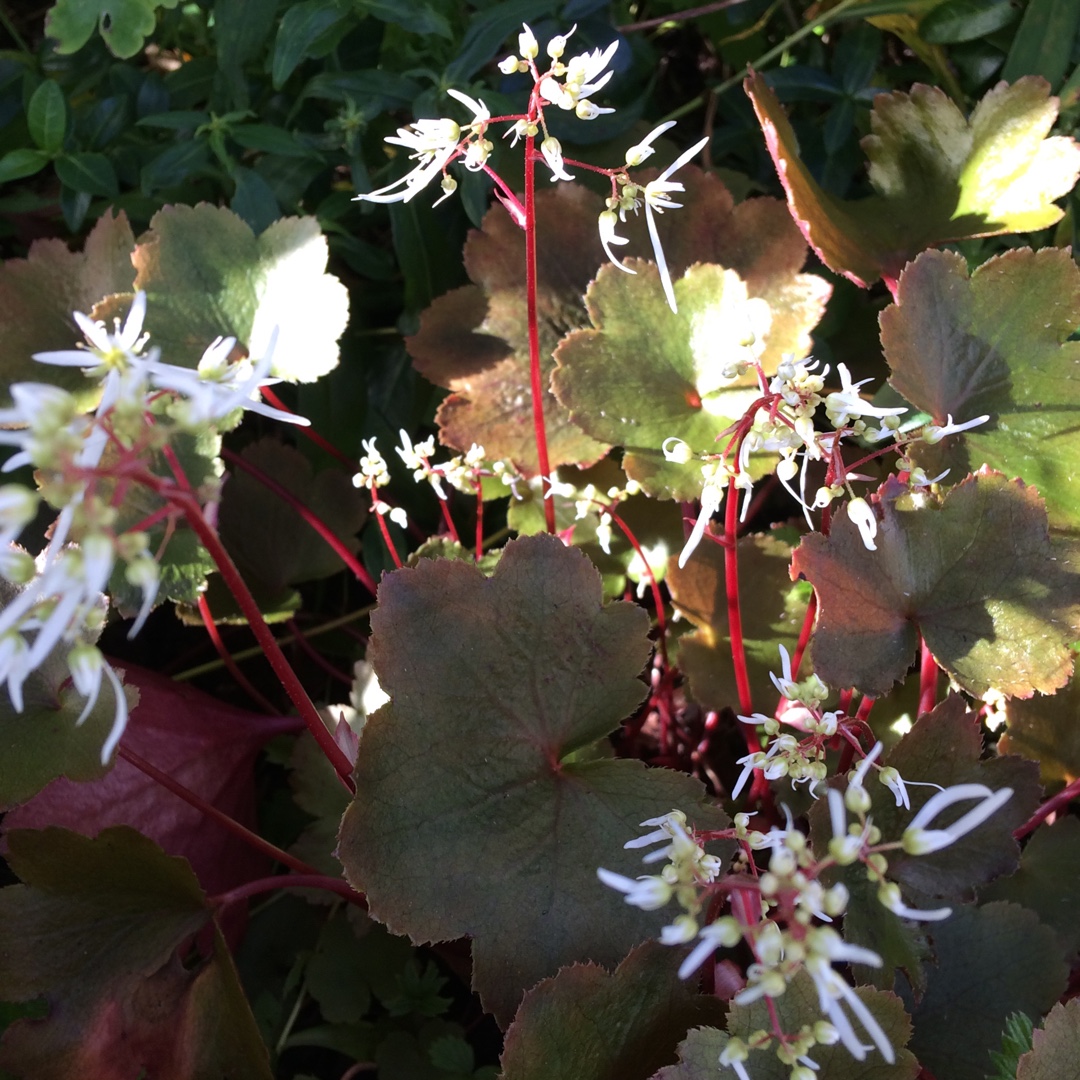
(465, 783)
(1055, 1047)
(206, 274)
(1001, 618)
(592, 1025)
(39, 293)
(990, 962)
(938, 175)
(124, 24)
(994, 342)
(98, 929)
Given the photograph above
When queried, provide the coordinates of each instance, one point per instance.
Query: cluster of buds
(778, 910)
(56, 601)
(567, 85)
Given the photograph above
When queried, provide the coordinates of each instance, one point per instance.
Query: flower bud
(527, 43)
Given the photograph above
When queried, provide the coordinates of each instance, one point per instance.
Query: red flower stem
(313, 519)
(804, 635)
(314, 880)
(233, 668)
(271, 851)
(731, 587)
(310, 434)
(314, 655)
(865, 706)
(654, 587)
(539, 429)
(451, 527)
(479, 518)
(928, 679)
(250, 609)
(1051, 806)
(381, 519)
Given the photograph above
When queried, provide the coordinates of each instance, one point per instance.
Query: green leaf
(772, 614)
(1015, 1041)
(966, 20)
(100, 929)
(333, 974)
(241, 28)
(254, 200)
(300, 28)
(416, 16)
(995, 342)
(1047, 730)
(592, 1025)
(487, 31)
(268, 539)
(525, 668)
(46, 117)
(43, 742)
(798, 1006)
(17, 164)
(474, 341)
(39, 293)
(207, 274)
(124, 24)
(270, 140)
(991, 962)
(938, 176)
(1001, 619)
(1055, 1046)
(1043, 44)
(92, 174)
(1046, 880)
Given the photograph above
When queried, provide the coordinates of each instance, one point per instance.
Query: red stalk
(200, 804)
(539, 429)
(381, 519)
(314, 655)
(231, 665)
(731, 587)
(272, 399)
(1051, 806)
(314, 880)
(308, 515)
(928, 679)
(250, 609)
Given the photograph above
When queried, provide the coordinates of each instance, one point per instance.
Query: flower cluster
(569, 85)
(783, 421)
(84, 462)
(777, 910)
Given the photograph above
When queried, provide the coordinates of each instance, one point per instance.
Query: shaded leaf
(43, 742)
(46, 116)
(1047, 729)
(772, 614)
(474, 341)
(88, 174)
(991, 961)
(1047, 881)
(523, 668)
(1055, 1052)
(592, 1025)
(98, 930)
(1043, 42)
(798, 1006)
(124, 24)
(1001, 618)
(208, 747)
(938, 176)
(994, 342)
(206, 274)
(39, 293)
(265, 535)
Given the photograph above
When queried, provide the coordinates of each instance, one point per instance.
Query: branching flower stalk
(437, 144)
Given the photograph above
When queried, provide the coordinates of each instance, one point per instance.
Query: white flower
(551, 148)
(933, 434)
(582, 71)
(846, 404)
(889, 896)
(528, 46)
(862, 516)
(647, 893)
(724, 933)
(656, 198)
(608, 220)
(115, 350)
(645, 149)
(918, 839)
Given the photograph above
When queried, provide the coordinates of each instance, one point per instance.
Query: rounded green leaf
(89, 173)
(124, 24)
(46, 117)
(16, 164)
(473, 815)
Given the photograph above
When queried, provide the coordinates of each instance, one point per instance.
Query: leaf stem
(282, 669)
(335, 542)
(250, 838)
(539, 429)
(313, 880)
(1051, 806)
(734, 613)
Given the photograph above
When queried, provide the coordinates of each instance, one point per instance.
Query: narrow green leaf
(270, 140)
(1015, 1041)
(90, 173)
(966, 20)
(254, 200)
(17, 164)
(302, 26)
(46, 117)
(416, 16)
(1044, 42)
(489, 29)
